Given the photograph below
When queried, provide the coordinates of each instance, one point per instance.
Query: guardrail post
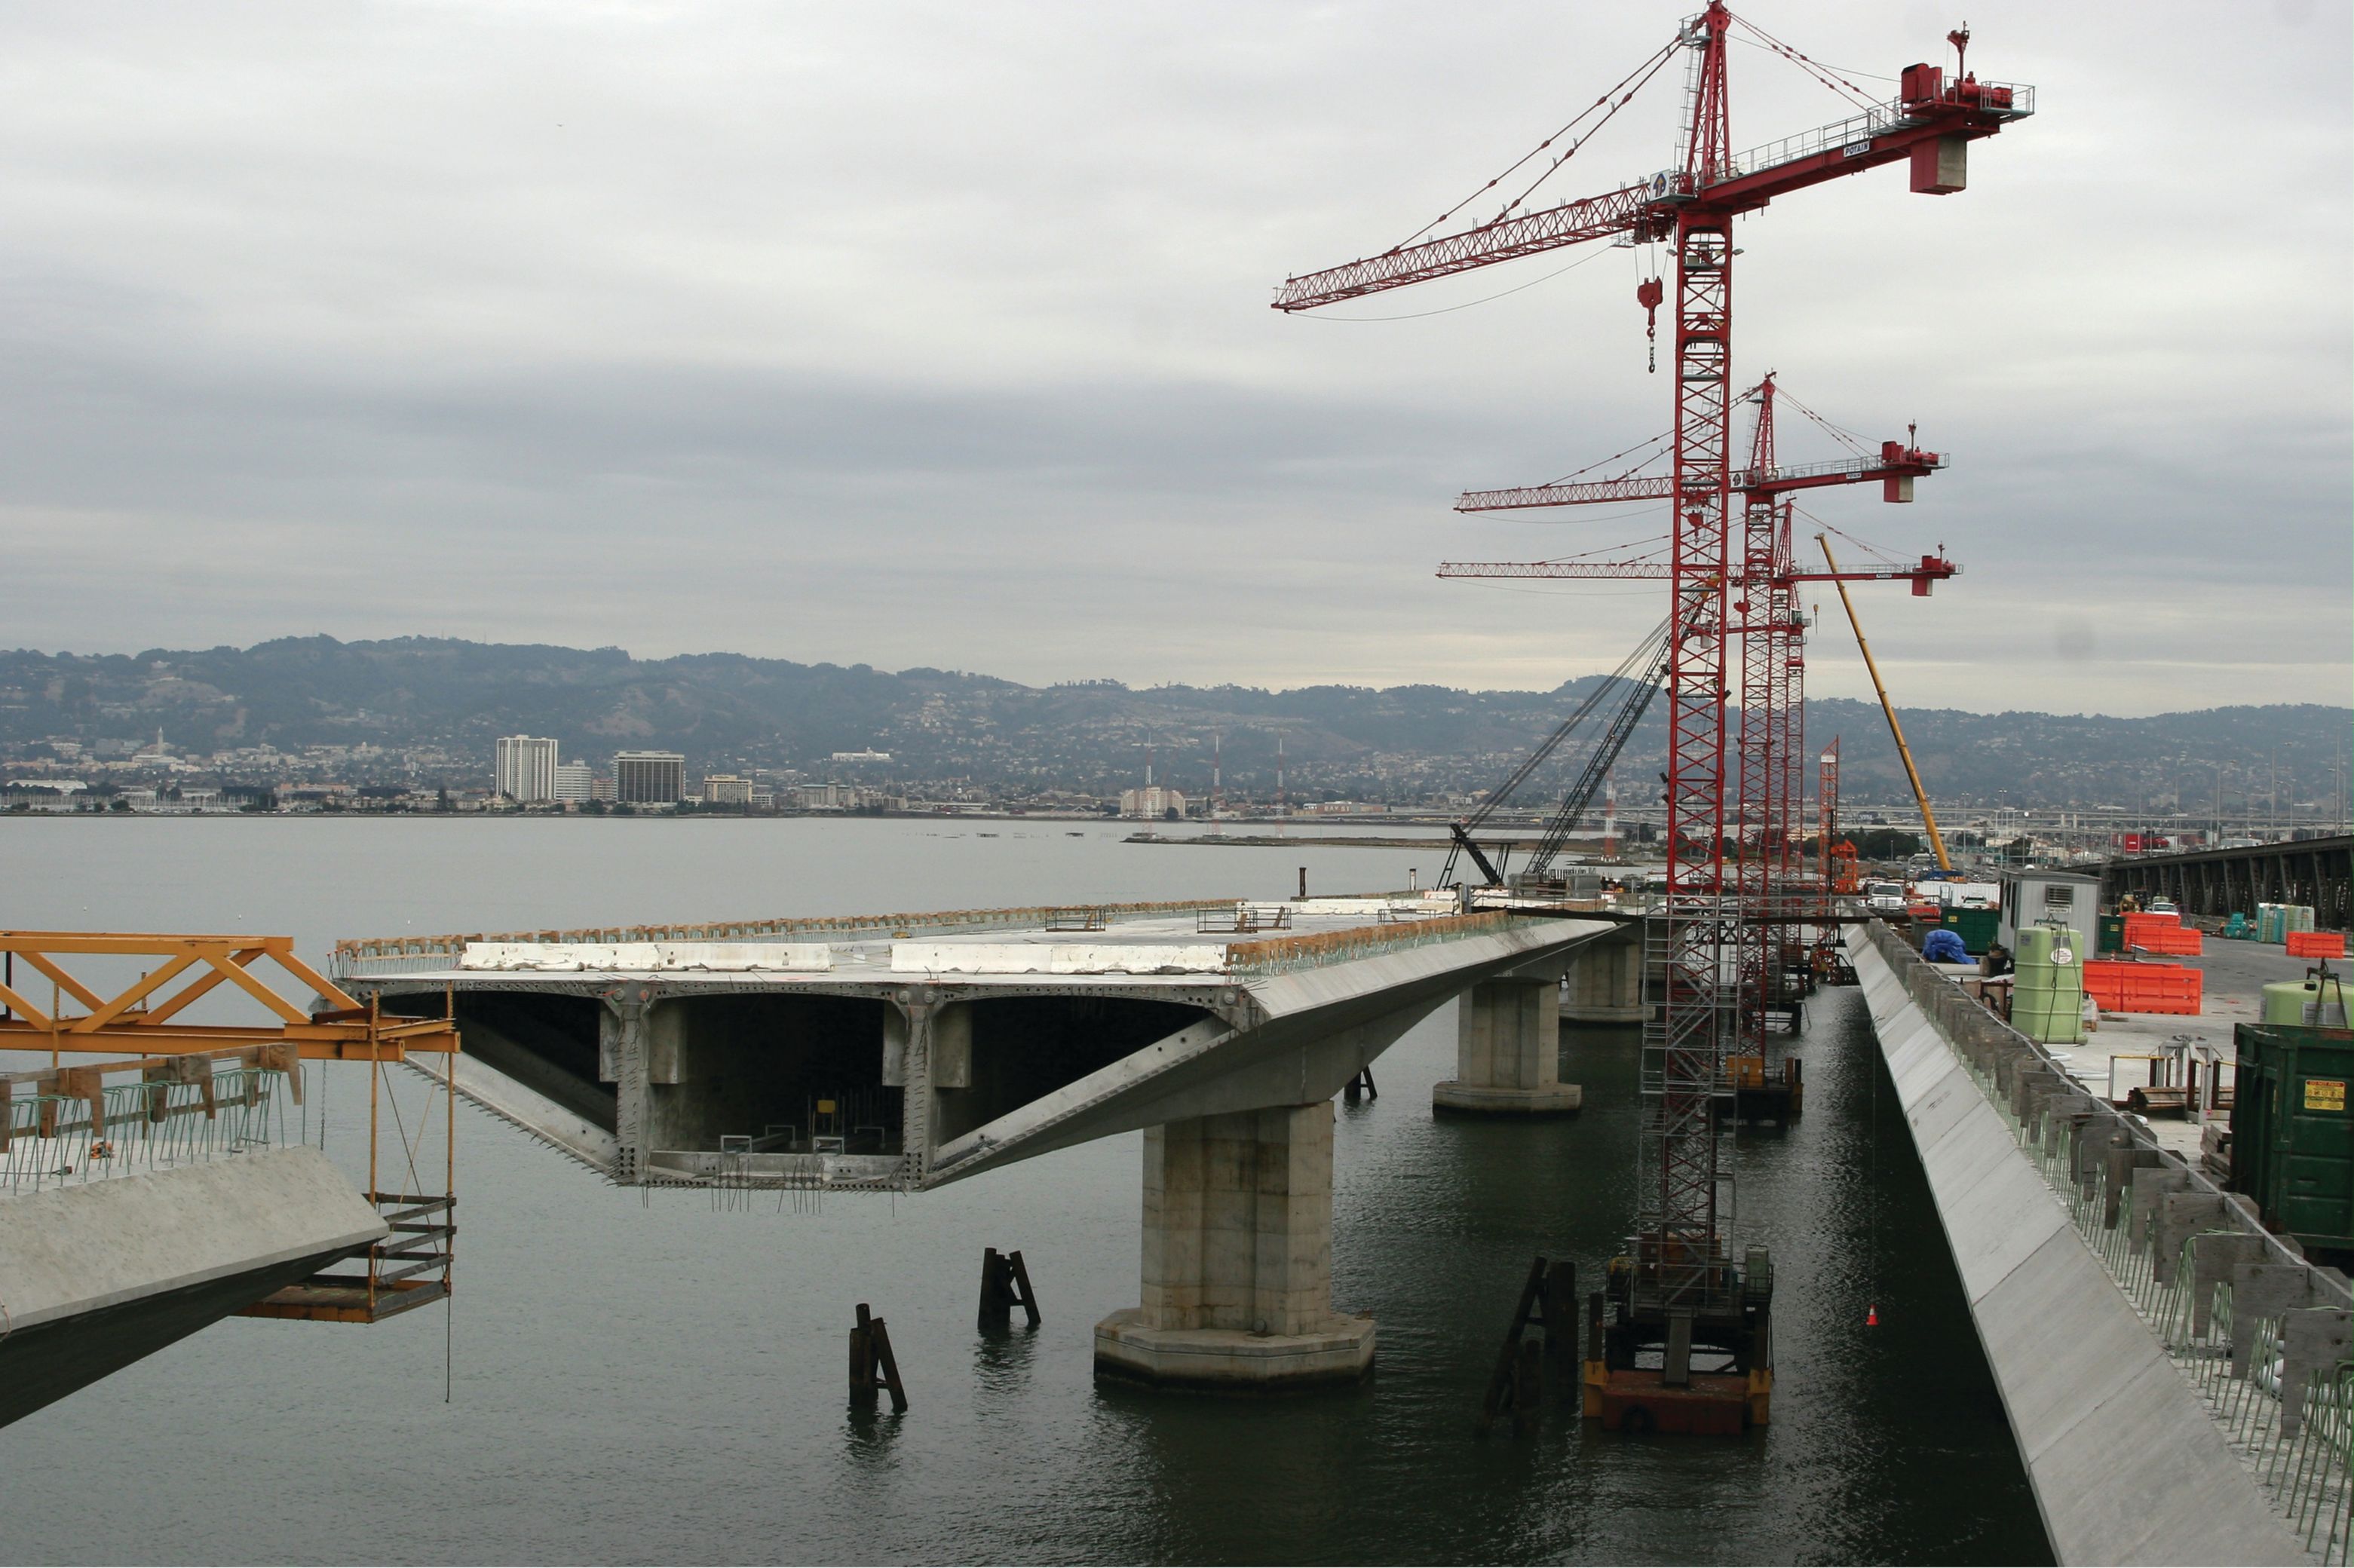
(2180, 1214)
(2215, 1259)
(2149, 1186)
(2313, 1338)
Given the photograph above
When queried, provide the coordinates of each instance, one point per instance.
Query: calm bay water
(640, 1380)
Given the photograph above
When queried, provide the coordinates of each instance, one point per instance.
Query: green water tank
(2313, 1003)
(2047, 1000)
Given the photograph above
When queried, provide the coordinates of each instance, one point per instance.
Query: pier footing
(1508, 1054)
(1237, 1260)
(1231, 1359)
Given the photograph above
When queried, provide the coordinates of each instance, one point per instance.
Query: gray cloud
(917, 335)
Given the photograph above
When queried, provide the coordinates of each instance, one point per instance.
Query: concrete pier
(1508, 1053)
(1604, 985)
(1237, 1265)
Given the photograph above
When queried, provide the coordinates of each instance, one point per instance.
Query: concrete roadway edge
(2126, 1464)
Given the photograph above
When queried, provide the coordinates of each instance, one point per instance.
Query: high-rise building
(575, 782)
(524, 768)
(1153, 802)
(727, 790)
(655, 777)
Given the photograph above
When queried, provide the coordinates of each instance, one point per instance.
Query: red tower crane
(1681, 1286)
(1767, 795)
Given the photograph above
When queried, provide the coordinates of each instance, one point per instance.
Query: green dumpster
(2292, 1136)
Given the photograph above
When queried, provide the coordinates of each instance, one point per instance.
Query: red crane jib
(1896, 467)
(1929, 124)
(1933, 569)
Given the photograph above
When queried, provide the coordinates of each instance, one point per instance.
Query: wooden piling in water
(1517, 1382)
(1005, 1285)
(872, 1364)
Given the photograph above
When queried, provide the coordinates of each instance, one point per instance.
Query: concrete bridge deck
(2172, 1371)
(906, 1052)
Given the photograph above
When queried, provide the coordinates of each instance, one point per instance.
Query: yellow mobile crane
(1928, 818)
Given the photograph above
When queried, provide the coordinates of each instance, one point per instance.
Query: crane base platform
(1712, 1404)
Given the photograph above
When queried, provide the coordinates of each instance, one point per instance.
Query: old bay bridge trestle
(2220, 882)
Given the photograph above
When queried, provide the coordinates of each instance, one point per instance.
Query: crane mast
(1679, 1288)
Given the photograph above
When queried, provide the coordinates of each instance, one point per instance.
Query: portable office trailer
(2032, 898)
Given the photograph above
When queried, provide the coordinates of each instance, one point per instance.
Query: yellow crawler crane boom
(1928, 818)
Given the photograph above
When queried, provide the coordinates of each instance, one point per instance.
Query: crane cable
(1598, 763)
(1649, 548)
(1659, 441)
(1837, 431)
(1880, 555)
(1652, 65)
(1839, 85)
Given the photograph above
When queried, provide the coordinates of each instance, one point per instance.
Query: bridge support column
(624, 1051)
(1237, 1271)
(1606, 985)
(1508, 1053)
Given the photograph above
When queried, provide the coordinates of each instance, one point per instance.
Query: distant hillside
(446, 700)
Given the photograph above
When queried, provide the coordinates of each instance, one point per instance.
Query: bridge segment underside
(908, 1063)
(892, 1063)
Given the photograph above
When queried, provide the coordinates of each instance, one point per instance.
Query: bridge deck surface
(2113, 1057)
(1144, 948)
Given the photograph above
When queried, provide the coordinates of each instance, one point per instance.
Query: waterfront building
(727, 790)
(575, 782)
(525, 768)
(1153, 802)
(650, 776)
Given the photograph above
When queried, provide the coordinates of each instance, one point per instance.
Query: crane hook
(1650, 293)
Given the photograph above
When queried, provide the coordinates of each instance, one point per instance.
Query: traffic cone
(1872, 1316)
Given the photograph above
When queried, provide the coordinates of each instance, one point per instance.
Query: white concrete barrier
(1057, 958)
(651, 958)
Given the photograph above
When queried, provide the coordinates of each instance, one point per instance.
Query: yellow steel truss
(143, 1016)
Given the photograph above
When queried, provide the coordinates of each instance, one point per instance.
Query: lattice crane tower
(1681, 1287)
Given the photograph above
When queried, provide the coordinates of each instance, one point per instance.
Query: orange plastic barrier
(2164, 935)
(2316, 943)
(2144, 988)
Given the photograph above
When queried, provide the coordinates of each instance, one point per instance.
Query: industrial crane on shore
(1635, 680)
(1895, 729)
(1680, 1290)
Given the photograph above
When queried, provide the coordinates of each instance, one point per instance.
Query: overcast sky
(938, 334)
